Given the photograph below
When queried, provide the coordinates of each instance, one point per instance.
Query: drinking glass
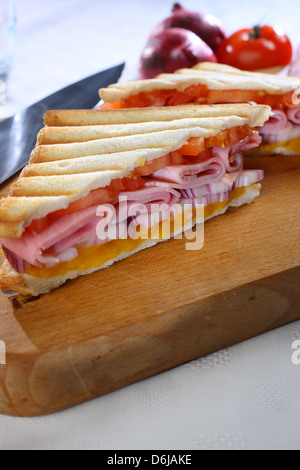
(7, 42)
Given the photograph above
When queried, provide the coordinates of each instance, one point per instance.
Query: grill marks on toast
(69, 118)
(85, 133)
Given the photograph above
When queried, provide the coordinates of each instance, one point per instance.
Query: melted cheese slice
(96, 256)
(290, 147)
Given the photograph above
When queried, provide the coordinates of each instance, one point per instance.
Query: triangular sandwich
(51, 223)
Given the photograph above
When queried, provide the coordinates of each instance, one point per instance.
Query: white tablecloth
(245, 397)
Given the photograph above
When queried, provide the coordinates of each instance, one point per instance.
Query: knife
(18, 133)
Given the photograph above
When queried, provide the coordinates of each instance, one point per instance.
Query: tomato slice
(158, 98)
(114, 105)
(199, 94)
(228, 137)
(143, 100)
(94, 198)
(154, 165)
(177, 157)
(245, 96)
(189, 95)
(132, 184)
(231, 96)
(193, 147)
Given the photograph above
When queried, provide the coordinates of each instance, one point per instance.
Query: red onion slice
(17, 263)
(249, 177)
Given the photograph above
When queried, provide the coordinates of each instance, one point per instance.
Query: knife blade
(18, 133)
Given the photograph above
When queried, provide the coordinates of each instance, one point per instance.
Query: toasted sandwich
(210, 83)
(84, 160)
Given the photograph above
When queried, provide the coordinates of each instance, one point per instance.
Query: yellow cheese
(292, 146)
(96, 256)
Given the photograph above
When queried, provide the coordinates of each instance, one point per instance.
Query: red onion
(173, 49)
(204, 190)
(208, 199)
(219, 191)
(249, 177)
(207, 27)
(17, 263)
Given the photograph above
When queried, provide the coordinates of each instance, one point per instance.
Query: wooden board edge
(46, 382)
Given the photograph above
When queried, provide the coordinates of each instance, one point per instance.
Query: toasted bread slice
(69, 118)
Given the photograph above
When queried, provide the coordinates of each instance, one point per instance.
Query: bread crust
(91, 117)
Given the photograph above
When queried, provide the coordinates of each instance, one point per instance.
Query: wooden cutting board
(160, 308)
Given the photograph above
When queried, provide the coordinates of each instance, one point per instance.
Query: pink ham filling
(282, 126)
(216, 174)
(285, 125)
(293, 115)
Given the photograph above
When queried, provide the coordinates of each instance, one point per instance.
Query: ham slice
(78, 238)
(216, 162)
(231, 157)
(48, 247)
(148, 196)
(30, 246)
(250, 142)
(282, 126)
(278, 122)
(290, 133)
(293, 115)
(211, 168)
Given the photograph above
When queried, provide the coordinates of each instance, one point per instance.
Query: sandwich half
(84, 160)
(210, 83)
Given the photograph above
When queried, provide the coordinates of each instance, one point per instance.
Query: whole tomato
(255, 48)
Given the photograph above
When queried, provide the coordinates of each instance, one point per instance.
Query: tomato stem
(255, 33)
(177, 7)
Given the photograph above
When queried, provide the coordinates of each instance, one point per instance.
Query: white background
(246, 397)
